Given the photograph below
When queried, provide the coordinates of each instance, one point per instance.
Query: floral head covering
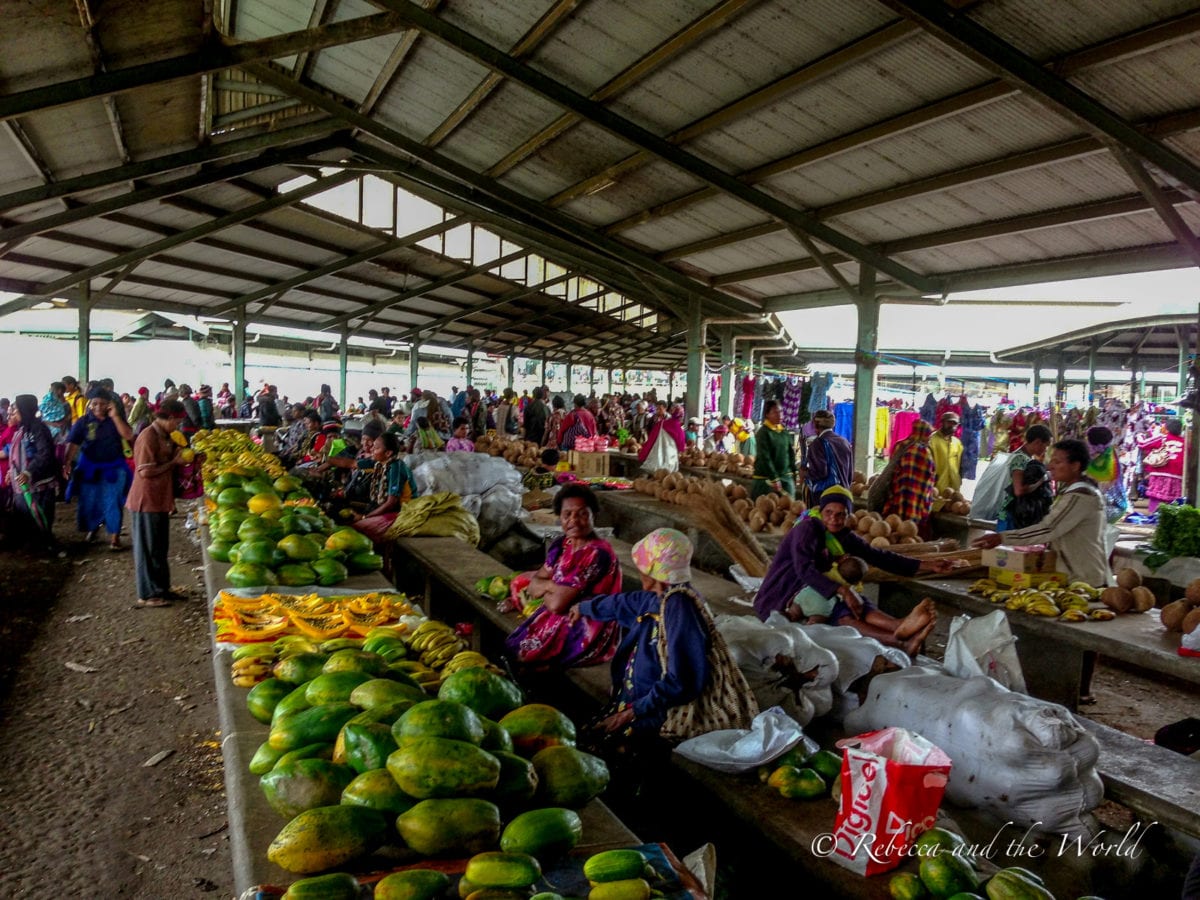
(664, 555)
(921, 431)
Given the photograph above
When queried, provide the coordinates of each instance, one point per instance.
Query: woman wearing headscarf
(1105, 469)
(151, 500)
(204, 408)
(804, 569)
(392, 485)
(1162, 459)
(579, 423)
(558, 412)
(665, 441)
(33, 473)
(775, 461)
(914, 479)
(141, 414)
(100, 477)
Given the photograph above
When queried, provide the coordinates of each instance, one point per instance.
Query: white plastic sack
(464, 473)
(990, 487)
(498, 509)
(1023, 759)
(663, 455)
(748, 583)
(755, 647)
(772, 734)
(984, 645)
(855, 652)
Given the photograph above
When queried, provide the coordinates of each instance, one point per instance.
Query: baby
(908, 633)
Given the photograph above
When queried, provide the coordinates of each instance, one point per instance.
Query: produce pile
(1177, 534)
(1075, 602)
(723, 463)
(1183, 616)
(272, 540)
(371, 750)
(948, 868)
(227, 450)
(263, 617)
(890, 533)
(801, 775)
(770, 513)
(514, 450)
(951, 501)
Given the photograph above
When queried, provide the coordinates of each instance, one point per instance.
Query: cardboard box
(1017, 580)
(591, 465)
(1023, 559)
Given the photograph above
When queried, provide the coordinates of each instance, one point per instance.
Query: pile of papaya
(948, 869)
(804, 775)
(361, 756)
(270, 615)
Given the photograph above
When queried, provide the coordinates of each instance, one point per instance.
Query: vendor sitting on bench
(814, 551)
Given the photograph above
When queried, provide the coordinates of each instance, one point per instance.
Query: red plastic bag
(892, 785)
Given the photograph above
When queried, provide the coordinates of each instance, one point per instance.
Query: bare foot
(913, 645)
(921, 615)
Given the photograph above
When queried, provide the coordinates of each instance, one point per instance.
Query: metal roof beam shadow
(184, 237)
(978, 44)
(644, 139)
(87, 20)
(1123, 47)
(281, 287)
(531, 317)
(1159, 201)
(540, 30)
(202, 178)
(663, 53)
(220, 54)
(391, 67)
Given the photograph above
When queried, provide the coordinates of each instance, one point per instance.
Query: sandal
(1087, 700)
(151, 603)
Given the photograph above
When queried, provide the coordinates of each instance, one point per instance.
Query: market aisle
(83, 815)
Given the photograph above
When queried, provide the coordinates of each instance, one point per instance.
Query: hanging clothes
(793, 394)
(945, 405)
(843, 420)
(738, 393)
(714, 393)
(749, 389)
(973, 422)
(883, 428)
(902, 423)
(821, 382)
(929, 410)
(760, 396)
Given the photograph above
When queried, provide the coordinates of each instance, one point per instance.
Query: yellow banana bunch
(1073, 615)
(1043, 608)
(1085, 588)
(428, 632)
(250, 671)
(1073, 601)
(465, 659)
(1102, 615)
(1016, 602)
(440, 649)
(983, 586)
(1000, 596)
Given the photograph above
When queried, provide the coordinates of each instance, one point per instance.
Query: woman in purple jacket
(811, 550)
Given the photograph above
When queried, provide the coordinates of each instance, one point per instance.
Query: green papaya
(377, 789)
(499, 869)
(319, 750)
(484, 691)
(265, 696)
(367, 745)
(495, 737)
(517, 783)
(300, 668)
(459, 826)
(293, 702)
(334, 687)
(412, 884)
(544, 833)
(357, 660)
(264, 759)
(327, 837)
(305, 784)
(440, 718)
(569, 777)
(313, 725)
(428, 767)
(334, 886)
(382, 691)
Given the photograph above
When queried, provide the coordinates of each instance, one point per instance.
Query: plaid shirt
(914, 484)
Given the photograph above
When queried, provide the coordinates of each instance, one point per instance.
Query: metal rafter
(184, 237)
(797, 79)
(1160, 201)
(1123, 47)
(98, 66)
(529, 42)
(218, 54)
(280, 288)
(534, 316)
(315, 19)
(205, 176)
(975, 42)
(644, 139)
(162, 164)
(553, 229)
(391, 68)
(663, 53)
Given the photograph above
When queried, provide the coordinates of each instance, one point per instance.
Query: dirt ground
(85, 816)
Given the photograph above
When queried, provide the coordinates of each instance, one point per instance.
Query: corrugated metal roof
(883, 130)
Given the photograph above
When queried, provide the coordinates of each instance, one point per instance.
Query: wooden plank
(1156, 783)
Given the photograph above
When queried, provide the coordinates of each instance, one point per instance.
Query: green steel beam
(959, 31)
(217, 55)
(370, 253)
(601, 116)
(469, 186)
(238, 349)
(85, 335)
(866, 345)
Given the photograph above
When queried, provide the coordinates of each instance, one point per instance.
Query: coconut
(764, 504)
(799, 509)
(947, 493)
(1143, 599)
(757, 521)
(859, 475)
(1173, 615)
(880, 529)
(857, 490)
(1191, 594)
(660, 474)
(1191, 622)
(852, 521)
(788, 521)
(907, 528)
(1118, 599)
(864, 523)
(737, 491)
(777, 517)
(1128, 579)
(880, 542)
(893, 521)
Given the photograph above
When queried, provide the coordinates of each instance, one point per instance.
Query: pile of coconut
(769, 514)
(952, 501)
(517, 452)
(879, 531)
(723, 463)
(1182, 615)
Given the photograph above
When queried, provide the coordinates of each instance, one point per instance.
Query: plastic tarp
(990, 487)
(772, 734)
(490, 487)
(1021, 758)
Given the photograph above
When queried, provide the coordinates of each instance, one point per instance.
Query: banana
(1102, 615)
(254, 651)
(252, 666)
(444, 655)
(1049, 610)
(1073, 615)
(442, 639)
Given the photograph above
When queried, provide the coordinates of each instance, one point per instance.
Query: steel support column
(610, 390)
(1093, 346)
(695, 360)
(570, 373)
(542, 380)
(470, 364)
(1060, 383)
(728, 371)
(591, 380)
(1181, 385)
(343, 366)
(238, 346)
(512, 364)
(866, 346)
(85, 333)
(414, 365)
(1037, 379)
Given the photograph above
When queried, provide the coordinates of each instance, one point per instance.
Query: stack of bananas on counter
(435, 643)
(1071, 603)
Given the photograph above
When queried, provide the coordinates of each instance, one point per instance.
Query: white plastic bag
(498, 509)
(463, 473)
(984, 645)
(990, 488)
(748, 583)
(663, 455)
(772, 734)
